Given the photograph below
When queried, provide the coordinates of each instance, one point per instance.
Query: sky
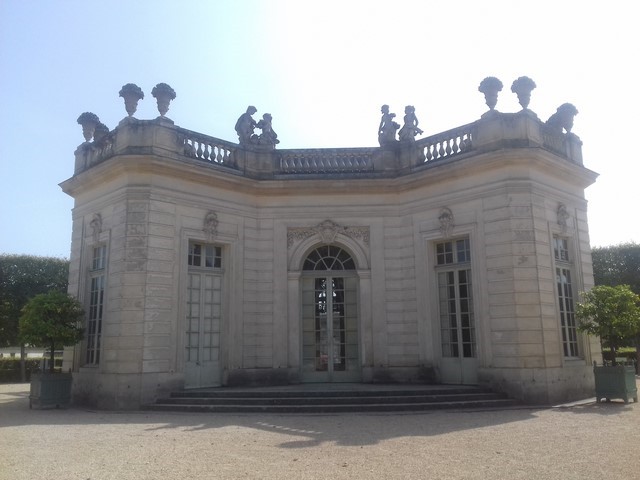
(321, 68)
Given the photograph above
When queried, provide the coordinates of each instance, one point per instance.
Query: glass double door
(203, 322)
(459, 362)
(330, 329)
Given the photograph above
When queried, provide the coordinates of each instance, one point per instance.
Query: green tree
(22, 277)
(617, 265)
(52, 320)
(611, 313)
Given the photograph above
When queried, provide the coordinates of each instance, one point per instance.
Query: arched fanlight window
(329, 257)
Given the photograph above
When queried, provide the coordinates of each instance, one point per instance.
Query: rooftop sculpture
(388, 127)
(563, 118)
(398, 150)
(410, 128)
(246, 125)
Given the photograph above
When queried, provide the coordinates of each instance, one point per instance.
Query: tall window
(564, 288)
(96, 304)
(455, 298)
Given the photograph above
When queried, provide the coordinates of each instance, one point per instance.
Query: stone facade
(501, 193)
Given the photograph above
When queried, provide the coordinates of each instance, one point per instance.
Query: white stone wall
(402, 345)
(506, 202)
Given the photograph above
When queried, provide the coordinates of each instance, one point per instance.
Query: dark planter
(615, 382)
(50, 390)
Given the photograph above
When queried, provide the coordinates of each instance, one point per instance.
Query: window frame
(208, 340)
(96, 286)
(452, 257)
(565, 296)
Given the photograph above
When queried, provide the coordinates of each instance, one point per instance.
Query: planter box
(616, 382)
(50, 390)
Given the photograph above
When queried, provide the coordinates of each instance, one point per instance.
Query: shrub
(10, 369)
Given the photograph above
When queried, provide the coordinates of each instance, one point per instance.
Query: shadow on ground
(309, 429)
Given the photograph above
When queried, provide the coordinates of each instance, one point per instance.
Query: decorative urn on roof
(89, 122)
(490, 87)
(132, 94)
(522, 87)
(163, 94)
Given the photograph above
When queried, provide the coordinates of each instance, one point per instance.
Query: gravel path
(582, 442)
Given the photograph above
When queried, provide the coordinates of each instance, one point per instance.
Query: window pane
(328, 258)
(455, 299)
(567, 316)
(96, 304)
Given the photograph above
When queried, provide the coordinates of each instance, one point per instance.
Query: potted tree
(51, 320)
(611, 313)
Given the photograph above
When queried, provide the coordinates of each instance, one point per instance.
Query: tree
(611, 313)
(52, 320)
(21, 278)
(617, 265)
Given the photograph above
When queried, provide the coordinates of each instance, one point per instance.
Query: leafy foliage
(612, 313)
(52, 320)
(10, 369)
(617, 265)
(21, 278)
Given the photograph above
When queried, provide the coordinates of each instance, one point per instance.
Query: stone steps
(332, 399)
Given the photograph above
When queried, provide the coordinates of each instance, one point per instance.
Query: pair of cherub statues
(246, 125)
(388, 126)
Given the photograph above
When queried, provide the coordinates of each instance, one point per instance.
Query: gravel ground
(584, 441)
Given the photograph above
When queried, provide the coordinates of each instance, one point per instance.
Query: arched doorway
(330, 316)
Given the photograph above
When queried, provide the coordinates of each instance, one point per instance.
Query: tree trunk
(52, 357)
(23, 363)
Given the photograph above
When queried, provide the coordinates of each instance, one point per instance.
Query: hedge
(10, 369)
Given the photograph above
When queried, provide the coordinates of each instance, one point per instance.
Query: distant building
(14, 352)
(455, 258)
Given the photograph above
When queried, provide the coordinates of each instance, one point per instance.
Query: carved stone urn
(89, 121)
(490, 87)
(522, 87)
(132, 94)
(163, 94)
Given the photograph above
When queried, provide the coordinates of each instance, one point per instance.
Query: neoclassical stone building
(454, 258)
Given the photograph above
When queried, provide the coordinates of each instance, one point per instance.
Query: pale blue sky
(322, 69)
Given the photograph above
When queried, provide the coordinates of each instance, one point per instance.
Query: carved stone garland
(446, 221)
(96, 227)
(210, 225)
(563, 217)
(327, 231)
